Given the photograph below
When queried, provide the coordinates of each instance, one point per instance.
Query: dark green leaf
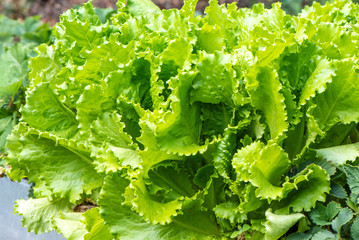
(352, 173)
(354, 229)
(338, 191)
(322, 215)
(344, 216)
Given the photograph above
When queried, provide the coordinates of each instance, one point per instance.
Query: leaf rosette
(176, 126)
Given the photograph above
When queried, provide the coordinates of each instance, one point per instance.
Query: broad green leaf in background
(6, 125)
(17, 41)
(323, 235)
(13, 70)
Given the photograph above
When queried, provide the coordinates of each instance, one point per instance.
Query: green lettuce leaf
(178, 131)
(95, 226)
(116, 148)
(277, 225)
(88, 225)
(57, 160)
(311, 186)
(339, 155)
(38, 213)
(69, 225)
(127, 224)
(215, 80)
(338, 102)
(263, 166)
(53, 116)
(233, 124)
(151, 211)
(264, 87)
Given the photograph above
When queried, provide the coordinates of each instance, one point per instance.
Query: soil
(50, 10)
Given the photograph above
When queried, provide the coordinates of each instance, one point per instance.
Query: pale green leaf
(264, 88)
(70, 226)
(228, 210)
(277, 225)
(173, 178)
(45, 112)
(116, 148)
(215, 81)
(57, 160)
(339, 103)
(339, 155)
(324, 235)
(263, 166)
(127, 224)
(316, 83)
(178, 131)
(95, 226)
(38, 213)
(312, 184)
(151, 210)
(142, 7)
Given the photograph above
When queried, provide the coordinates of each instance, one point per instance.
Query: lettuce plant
(170, 126)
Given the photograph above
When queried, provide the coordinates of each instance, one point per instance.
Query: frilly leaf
(38, 213)
(56, 160)
(277, 225)
(151, 210)
(69, 225)
(95, 226)
(339, 103)
(45, 112)
(339, 155)
(311, 186)
(126, 224)
(264, 88)
(263, 166)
